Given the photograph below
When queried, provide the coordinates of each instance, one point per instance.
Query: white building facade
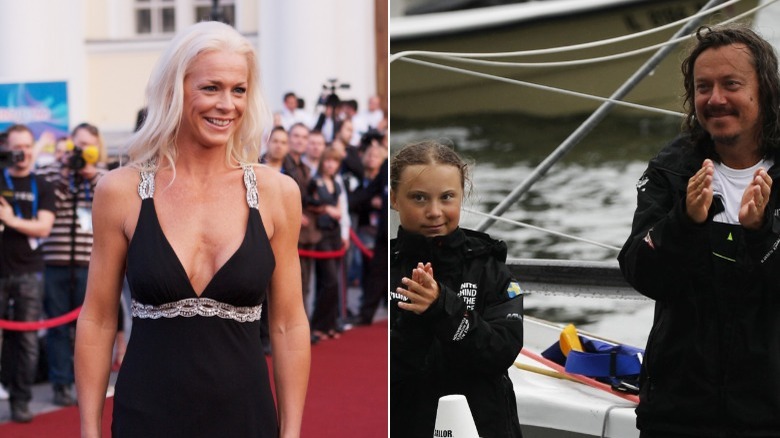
(105, 49)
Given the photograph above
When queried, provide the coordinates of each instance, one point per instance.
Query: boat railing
(587, 279)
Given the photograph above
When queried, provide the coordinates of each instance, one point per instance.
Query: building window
(225, 8)
(155, 17)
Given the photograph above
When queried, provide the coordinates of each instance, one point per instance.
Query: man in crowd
(276, 148)
(314, 149)
(367, 119)
(67, 251)
(295, 167)
(27, 209)
(292, 113)
(370, 202)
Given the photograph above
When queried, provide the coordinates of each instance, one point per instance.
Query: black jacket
(464, 343)
(712, 363)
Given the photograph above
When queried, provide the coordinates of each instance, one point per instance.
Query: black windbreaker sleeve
(410, 344)
(485, 342)
(665, 245)
(411, 337)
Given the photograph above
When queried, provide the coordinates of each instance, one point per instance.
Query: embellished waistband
(190, 307)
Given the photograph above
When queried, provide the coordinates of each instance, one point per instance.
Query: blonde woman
(203, 234)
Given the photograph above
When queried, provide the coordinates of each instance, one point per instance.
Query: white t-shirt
(729, 185)
(298, 116)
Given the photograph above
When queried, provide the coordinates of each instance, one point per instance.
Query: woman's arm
(97, 323)
(288, 324)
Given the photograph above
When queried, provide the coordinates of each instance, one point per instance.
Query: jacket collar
(414, 242)
(685, 158)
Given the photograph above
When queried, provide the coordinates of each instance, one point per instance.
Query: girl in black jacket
(456, 311)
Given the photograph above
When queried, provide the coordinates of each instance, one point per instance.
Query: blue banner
(42, 106)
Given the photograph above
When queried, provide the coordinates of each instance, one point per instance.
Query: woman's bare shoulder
(118, 182)
(275, 182)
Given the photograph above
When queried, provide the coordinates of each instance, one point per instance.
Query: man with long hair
(703, 246)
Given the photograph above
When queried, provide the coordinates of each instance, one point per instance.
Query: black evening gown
(194, 365)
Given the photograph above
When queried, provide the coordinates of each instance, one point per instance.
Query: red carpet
(347, 394)
(348, 386)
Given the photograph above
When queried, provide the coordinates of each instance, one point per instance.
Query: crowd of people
(343, 183)
(46, 244)
(46, 211)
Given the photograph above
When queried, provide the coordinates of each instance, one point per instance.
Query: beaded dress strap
(250, 181)
(146, 186)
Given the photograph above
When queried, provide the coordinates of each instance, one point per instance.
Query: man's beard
(726, 140)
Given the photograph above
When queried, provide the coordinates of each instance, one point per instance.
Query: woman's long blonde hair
(156, 138)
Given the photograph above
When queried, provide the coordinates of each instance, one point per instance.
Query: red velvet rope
(73, 314)
(321, 254)
(26, 326)
(356, 240)
(339, 253)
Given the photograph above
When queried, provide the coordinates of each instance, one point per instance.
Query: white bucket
(454, 419)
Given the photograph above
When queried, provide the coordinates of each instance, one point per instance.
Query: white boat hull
(551, 407)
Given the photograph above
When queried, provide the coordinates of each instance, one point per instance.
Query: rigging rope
(592, 44)
(561, 49)
(546, 88)
(463, 57)
(544, 230)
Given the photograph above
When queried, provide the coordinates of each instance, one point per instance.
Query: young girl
(456, 311)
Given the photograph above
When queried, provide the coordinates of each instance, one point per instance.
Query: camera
(329, 96)
(9, 158)
(80, 157)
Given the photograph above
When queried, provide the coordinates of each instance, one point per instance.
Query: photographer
(293, 112)
(67, 251)
(368, 120)
(328, 113)
(27, 214)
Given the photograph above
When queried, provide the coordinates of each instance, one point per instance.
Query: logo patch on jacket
(398, 297)
(468, 293)
(462, 331)
(514, 289)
